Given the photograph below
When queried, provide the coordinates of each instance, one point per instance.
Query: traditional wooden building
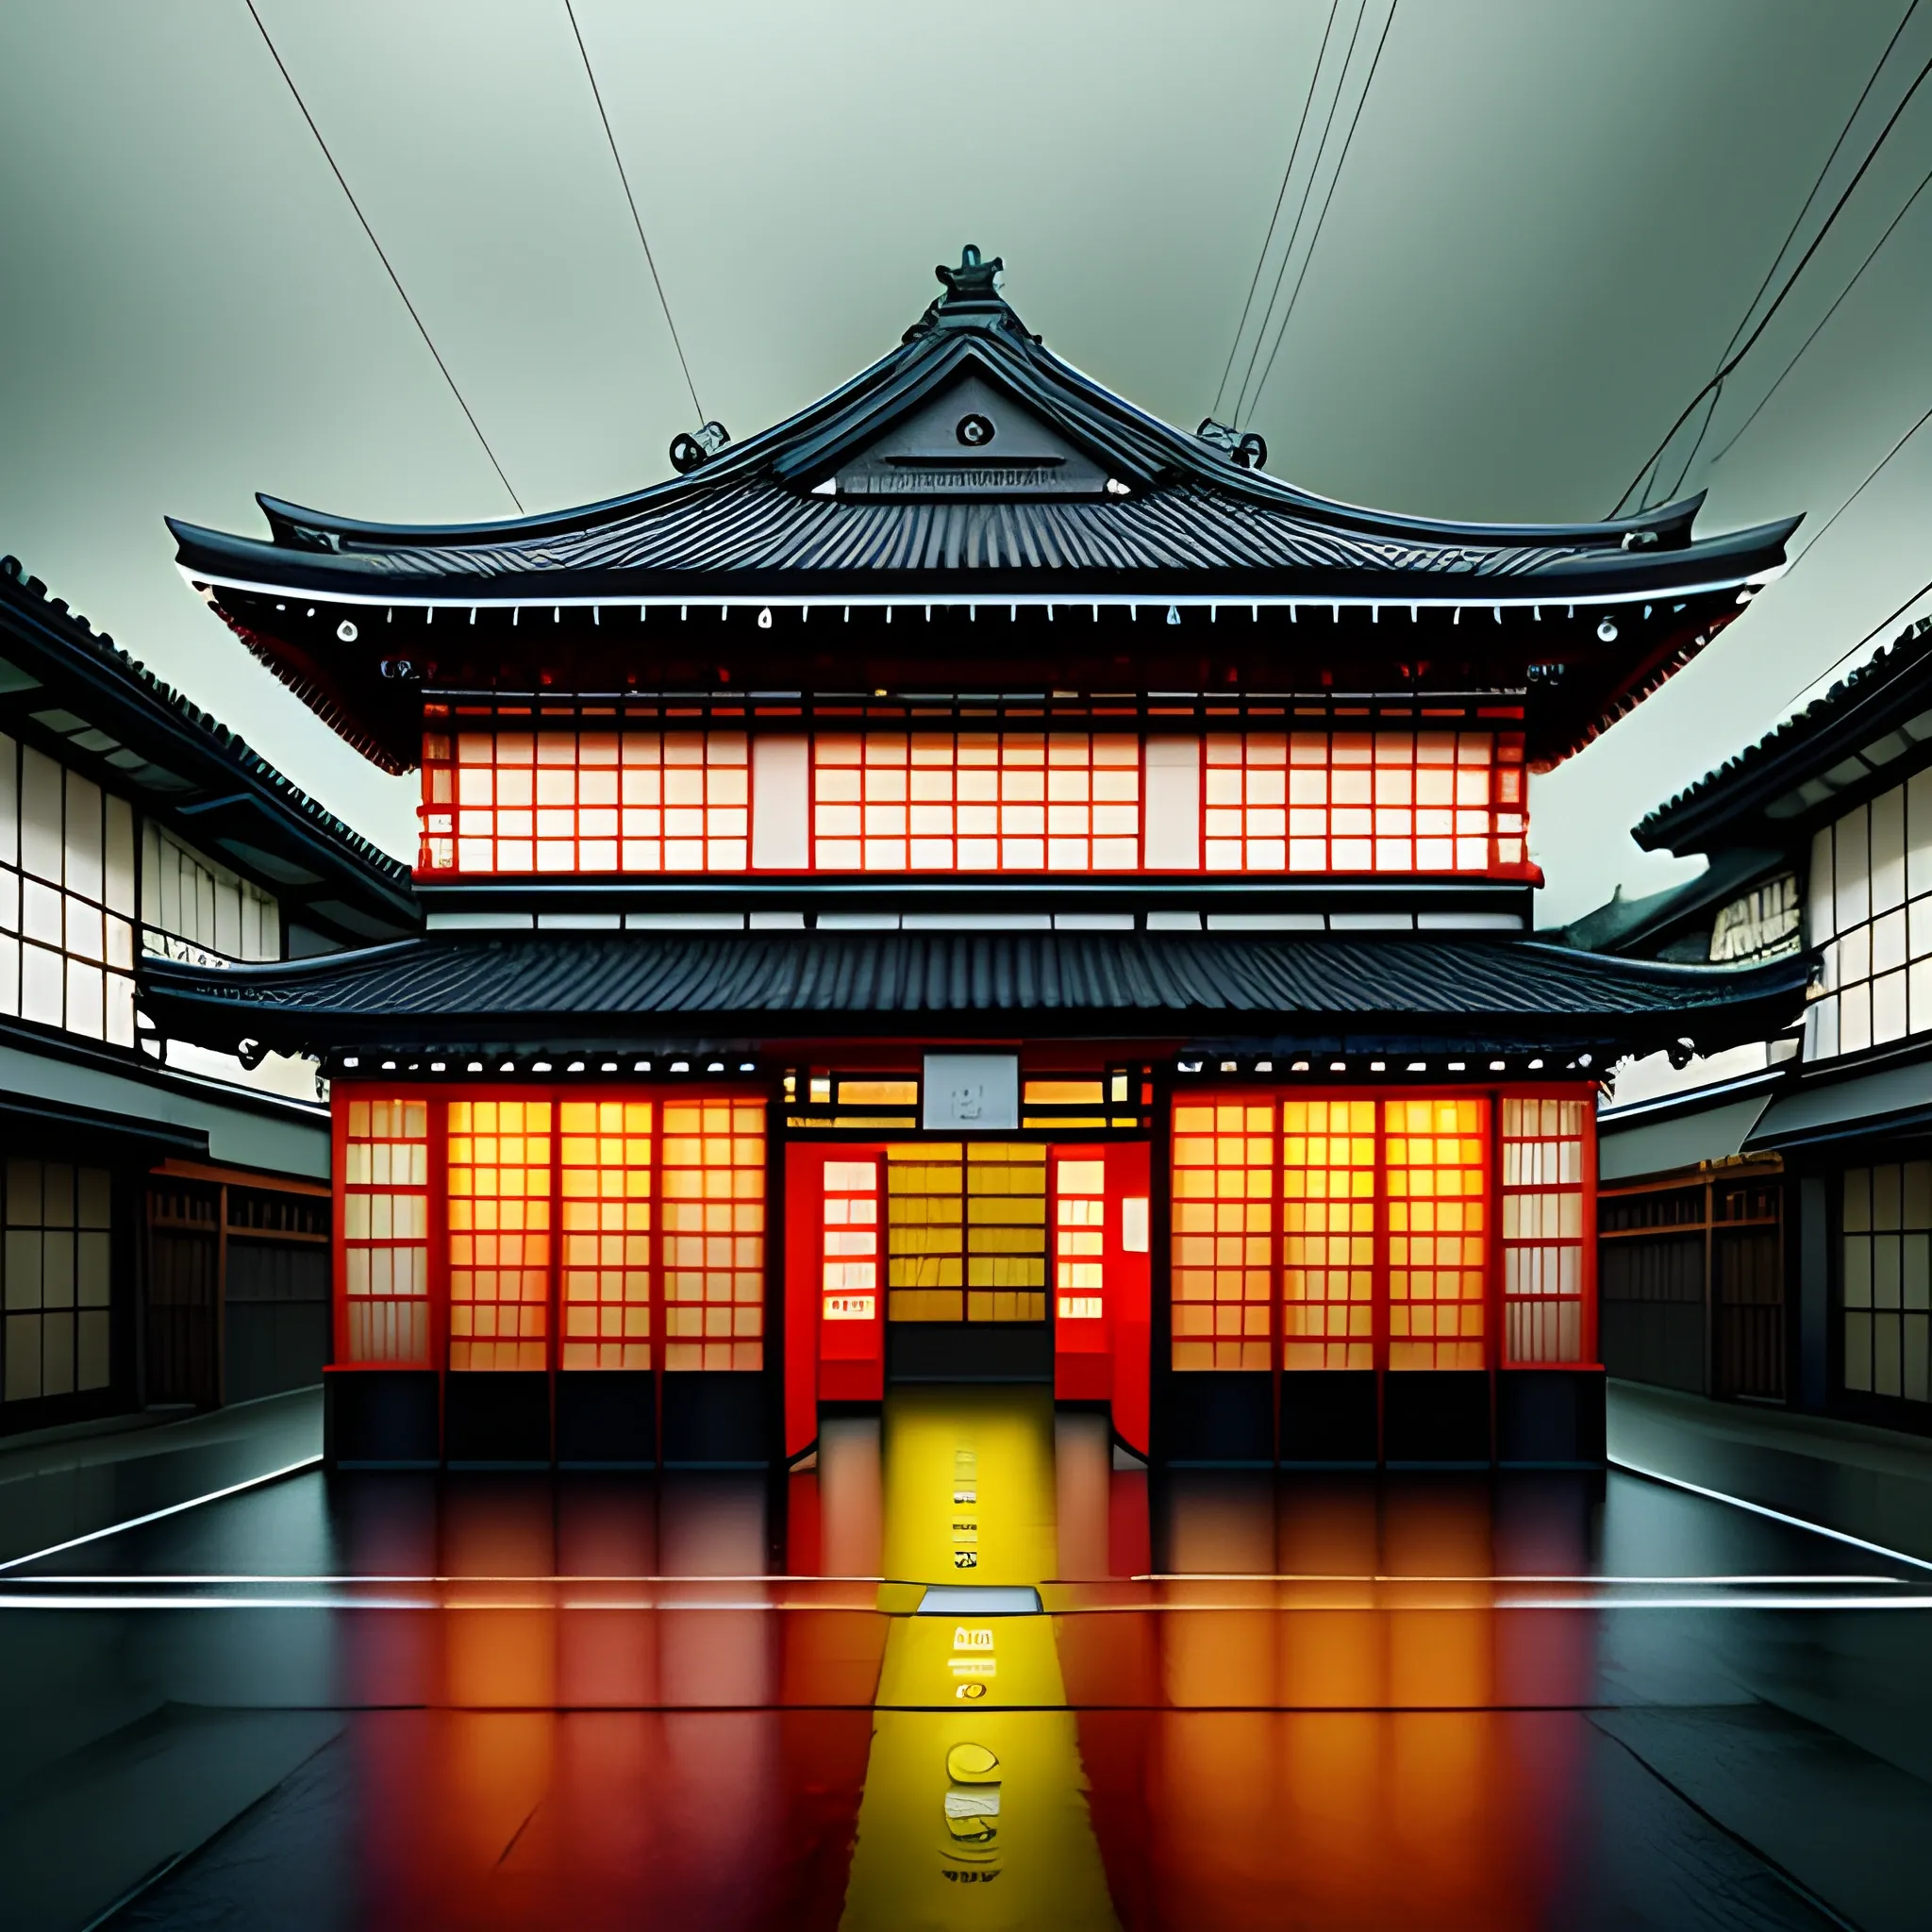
(165, 1208)
(1766, 1212)
(972, 882)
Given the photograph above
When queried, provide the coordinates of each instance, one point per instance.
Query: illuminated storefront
(971, 883)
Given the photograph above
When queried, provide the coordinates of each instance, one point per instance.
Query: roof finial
(974, 280)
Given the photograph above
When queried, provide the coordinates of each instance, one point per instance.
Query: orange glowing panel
(976, 802)
(849, 1282)
(605, 1169)
(1328, 1234)
(1079, 1239)
(386, 1232)
(713, 1191)
(1543, 1297)
(499, 1233)
(1436, 1164)
(596, 801)
(1392, 801)
(1226, 1173)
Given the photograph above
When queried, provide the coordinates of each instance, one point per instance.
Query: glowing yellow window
(1328, 1234)
(499, 1233)
(604, 1179)
(1438, 1178)
(713, 1191)
(1226, 1178)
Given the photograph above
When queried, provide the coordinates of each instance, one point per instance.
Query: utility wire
(1287, 174)
(1314, 239)
(1870, 477)
(381, 257)
(1791, 234)
(1650, 462)
(1301, 211)
(1845, 656)
(1730, 444)
(637, 221)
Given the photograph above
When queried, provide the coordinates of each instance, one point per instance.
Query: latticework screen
(925, 1268)
(1079, 1189)
(1226, 1176)
(587, 802)
(1543, 1230)
(499, 1233)
(714, 1234)
(1328, 1234)
(1006, 1231)
(849, 1282)
(604, 1179)
(1365, 802)
(944, 801)
(385, 1188)
(1436, 1167)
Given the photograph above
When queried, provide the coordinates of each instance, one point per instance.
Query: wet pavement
(713, 1699)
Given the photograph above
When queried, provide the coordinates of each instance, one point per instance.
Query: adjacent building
(166, 1208)
(1766, 1213)
(972, 882)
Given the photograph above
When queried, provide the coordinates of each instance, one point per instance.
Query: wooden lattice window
(925, 1215)
(604, 1179)
(1436, 1167)
(1226, 1176)
(1006, 1231)
(1328, 1234)
(499, 1233)
(713, 1182)
(386, 1233)
(1363, 802)
(849, 1279)
(1079, 1240)
(594, 802)
(1543, 1231)
(975, 802)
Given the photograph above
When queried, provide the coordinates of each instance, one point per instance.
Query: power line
(1731, 441)
(1314, 239)
(1845, 656)
(1649, 463)
(1260, 261)
(1791, 234)
(1870, 477)
(381, 257)
(1301, 211)
(637, 221)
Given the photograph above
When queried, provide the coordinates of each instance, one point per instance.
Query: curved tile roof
(456, 989)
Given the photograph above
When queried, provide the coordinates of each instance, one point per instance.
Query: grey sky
(1552, 217)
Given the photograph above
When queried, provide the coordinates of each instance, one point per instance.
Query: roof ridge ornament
(971, 297)
(1245, 450)
(974, 280)
(689, 448)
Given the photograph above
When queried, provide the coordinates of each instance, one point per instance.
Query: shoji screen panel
(606, 1183)
(713, 1184)
(1887, 1312)
(975, 802)
(1545, 1313)
(1329, 1189)
(1226, 1174)
(385, 1258)
(1435, 1162)
(500, 1189)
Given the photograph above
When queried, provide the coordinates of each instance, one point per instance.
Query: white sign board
(963, 1091)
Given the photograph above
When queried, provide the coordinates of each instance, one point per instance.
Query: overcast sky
(1552, 217)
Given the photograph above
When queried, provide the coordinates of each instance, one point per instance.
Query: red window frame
(735, 1269)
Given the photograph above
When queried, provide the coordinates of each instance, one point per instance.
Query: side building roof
(1819, 761)
(73, 691)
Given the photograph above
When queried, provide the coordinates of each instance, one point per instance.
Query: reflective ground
(714, 1700)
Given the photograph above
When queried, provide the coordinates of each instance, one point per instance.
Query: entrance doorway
(993, 1259)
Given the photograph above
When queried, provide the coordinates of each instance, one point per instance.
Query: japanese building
(971, 883)
(1766, 1211)
(165, 1208)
